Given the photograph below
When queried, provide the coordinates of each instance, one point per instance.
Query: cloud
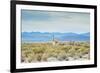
(55, 21)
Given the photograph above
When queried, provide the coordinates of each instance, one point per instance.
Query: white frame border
(51, 64)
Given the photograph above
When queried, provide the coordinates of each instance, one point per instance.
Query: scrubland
(62, 51)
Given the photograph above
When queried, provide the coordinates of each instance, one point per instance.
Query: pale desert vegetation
(46, 52)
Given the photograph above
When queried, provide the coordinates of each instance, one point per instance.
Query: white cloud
(59, 22)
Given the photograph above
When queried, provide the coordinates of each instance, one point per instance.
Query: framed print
(52, 36)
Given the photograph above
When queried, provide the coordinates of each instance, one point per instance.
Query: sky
(55, 21)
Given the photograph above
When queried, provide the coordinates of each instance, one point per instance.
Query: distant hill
(86, 34)
(47, 36)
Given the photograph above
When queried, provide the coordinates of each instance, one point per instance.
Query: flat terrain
(62, 51)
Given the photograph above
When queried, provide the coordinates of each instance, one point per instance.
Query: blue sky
(51, 21)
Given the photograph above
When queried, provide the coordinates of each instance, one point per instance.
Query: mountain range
(48, 36)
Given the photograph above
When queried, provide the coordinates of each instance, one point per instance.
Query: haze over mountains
(48, 36)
